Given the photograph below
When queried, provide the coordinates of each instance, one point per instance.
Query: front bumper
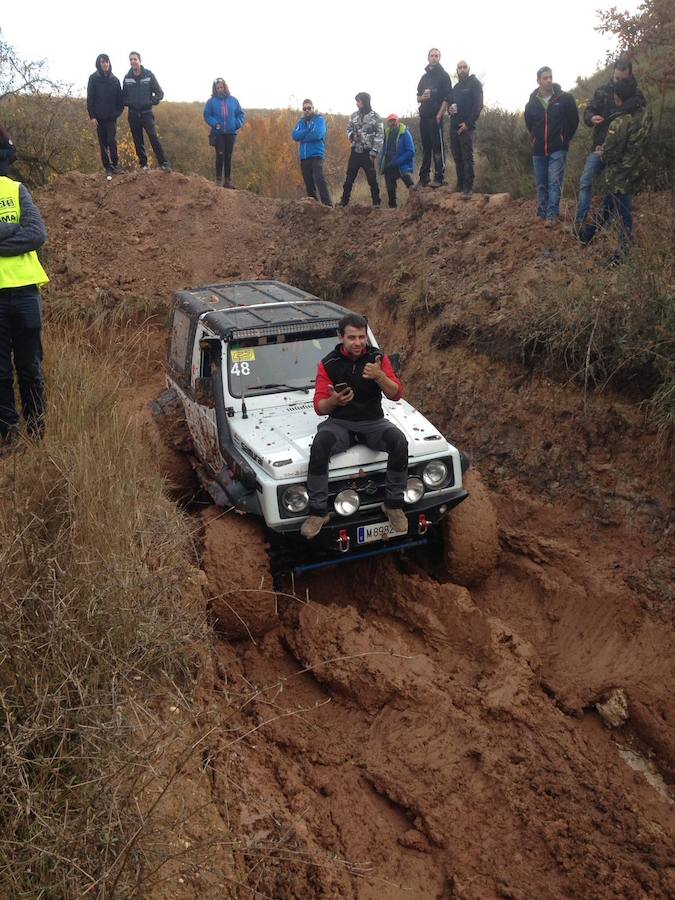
(339, 537)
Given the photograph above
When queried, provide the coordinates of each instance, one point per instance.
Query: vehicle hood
(279, 438)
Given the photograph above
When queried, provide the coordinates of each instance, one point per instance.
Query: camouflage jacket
(624, 151)
(365, 132)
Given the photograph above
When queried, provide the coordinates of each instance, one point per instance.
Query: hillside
(393, 736)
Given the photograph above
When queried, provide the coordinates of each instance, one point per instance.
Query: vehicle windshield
(274, 368)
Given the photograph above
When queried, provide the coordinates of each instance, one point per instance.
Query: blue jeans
(21, 348)
(619, 205)
(592, 168)
(549, 172)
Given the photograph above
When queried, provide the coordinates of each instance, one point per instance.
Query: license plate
(379, 531)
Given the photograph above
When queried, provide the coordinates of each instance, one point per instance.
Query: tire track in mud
(485, 786)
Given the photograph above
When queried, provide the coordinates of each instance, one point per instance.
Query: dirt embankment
(394, 737)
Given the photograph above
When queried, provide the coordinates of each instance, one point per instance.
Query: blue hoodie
(225, 112)
(404, 153)
(311, 134)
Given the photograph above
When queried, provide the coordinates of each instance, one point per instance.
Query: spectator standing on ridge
(598, 116)
(104, 105)
(225, 116)
(366, 136)
(363, 374)
(398, 157)
(623, 154)
(467, 106)
(22, 231)
(310, 133)
(140, 93)
(434, 95)
(552, 118)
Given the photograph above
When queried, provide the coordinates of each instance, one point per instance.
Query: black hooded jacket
(602, 104)
(468, 95)
(437, 81)
(552, 127)
(104, 94)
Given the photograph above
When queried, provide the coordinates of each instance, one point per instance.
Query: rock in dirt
(613, 709)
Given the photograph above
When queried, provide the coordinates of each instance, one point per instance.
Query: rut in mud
(392, 736)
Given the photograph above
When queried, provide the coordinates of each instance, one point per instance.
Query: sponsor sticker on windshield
(247, 355)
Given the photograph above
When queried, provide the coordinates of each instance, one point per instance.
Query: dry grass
(615, 328)
(100, 625)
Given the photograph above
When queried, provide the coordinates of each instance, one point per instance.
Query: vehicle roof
(252, 308)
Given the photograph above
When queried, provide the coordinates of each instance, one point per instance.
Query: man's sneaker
(466, 195)
(117, 170)
(145, 168)
(108, 174)
(397, 519)
(377, 205)
(166, 167)
(436, 183)
(312, 526)
(422, 183)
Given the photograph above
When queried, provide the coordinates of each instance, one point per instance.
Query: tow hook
(343, 541)
(423, 524)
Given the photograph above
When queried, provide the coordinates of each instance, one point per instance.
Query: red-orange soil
(390, 736)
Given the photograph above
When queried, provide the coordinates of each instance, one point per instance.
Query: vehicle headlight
(347, 502)
(414, 490)
(295, 498)
(434, 473)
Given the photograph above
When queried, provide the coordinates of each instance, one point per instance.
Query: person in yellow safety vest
(22, 231)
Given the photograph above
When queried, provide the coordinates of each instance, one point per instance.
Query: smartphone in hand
(340, 388)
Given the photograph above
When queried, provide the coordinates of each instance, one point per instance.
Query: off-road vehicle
(241, 361)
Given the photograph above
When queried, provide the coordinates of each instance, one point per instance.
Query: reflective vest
(17, 271)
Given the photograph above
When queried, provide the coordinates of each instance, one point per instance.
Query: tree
(17, 76)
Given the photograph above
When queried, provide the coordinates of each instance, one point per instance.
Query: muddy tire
(470, 535)
(242, 602)
(171, 441)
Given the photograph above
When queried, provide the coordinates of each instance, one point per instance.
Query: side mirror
(204, 392)
(395, 360)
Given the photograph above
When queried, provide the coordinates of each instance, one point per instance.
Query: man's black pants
(335, 436)
(224, 147)
(462, 152)
(431, 135)
(107, 142)
(367, 163)
(144, 120)
(391, 176)
(312, 173)
(21, 349)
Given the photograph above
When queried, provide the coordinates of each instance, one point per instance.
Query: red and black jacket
(552, 127)
(337, 367)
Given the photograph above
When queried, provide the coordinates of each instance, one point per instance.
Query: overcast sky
(272, 54)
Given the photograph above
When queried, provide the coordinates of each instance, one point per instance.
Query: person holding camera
(225, 116)
(366, 136)
(350, 382)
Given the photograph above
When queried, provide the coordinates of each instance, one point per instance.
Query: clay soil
(392, 736)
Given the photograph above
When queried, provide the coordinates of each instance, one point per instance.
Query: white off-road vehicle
(241, 361)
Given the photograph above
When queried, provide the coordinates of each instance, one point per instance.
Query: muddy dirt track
(393, 737)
